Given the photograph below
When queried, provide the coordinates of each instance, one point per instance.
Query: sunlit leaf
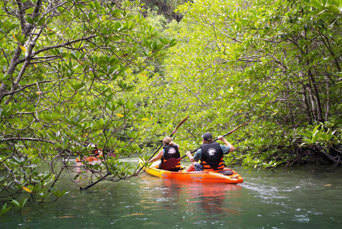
(27, 189)
(22, 48)
(120, 115)
(15, 38)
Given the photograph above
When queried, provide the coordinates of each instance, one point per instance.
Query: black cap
(207, 136)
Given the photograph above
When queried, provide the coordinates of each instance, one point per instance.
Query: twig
(26, 139)
(92, 184)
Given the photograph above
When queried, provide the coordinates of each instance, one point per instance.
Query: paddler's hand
(188, 154)
(221, 138)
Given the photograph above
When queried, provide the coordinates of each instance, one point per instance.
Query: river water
(285, 198)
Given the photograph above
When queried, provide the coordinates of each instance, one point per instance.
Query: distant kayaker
(211, 154)
(170, 150)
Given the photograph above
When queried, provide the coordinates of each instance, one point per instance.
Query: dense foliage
(274, 64)
(67, 67)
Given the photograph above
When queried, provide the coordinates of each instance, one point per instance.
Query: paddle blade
(181, 123)
(170, 164)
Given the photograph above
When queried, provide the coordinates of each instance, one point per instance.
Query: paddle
(173, 132)
(172, 162)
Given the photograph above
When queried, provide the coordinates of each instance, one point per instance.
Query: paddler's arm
(226, 143)
(195, 158)
(157, 157)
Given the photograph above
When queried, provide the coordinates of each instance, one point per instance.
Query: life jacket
(212, 156)
(171, 151)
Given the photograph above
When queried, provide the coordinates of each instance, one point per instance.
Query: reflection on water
(196, 203)
(210, 197)
(288, 198)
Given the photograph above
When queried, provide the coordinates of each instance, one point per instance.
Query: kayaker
(211, 154)
(95, 155)
(170, 150)
(98, 152)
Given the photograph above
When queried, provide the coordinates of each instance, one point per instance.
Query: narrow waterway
(285, 198)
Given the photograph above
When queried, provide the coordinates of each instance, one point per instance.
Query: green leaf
(59, 194)
(5, 209)
(16, 203)
(316, 4)
(22, 203)
(29, 19)
(334, 9)
(5, 77)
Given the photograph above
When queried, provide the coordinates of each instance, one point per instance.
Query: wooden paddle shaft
(173, 132)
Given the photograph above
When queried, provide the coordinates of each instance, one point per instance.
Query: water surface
(286, 198)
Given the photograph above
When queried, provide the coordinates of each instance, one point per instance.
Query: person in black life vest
(170, 150)
(211, 154)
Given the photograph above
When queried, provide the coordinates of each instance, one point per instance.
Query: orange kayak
(97, 158)
(228, 176)
(89, 159)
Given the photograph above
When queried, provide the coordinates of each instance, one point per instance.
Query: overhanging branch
(26, 139)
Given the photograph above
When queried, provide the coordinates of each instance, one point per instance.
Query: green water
(287, 198)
